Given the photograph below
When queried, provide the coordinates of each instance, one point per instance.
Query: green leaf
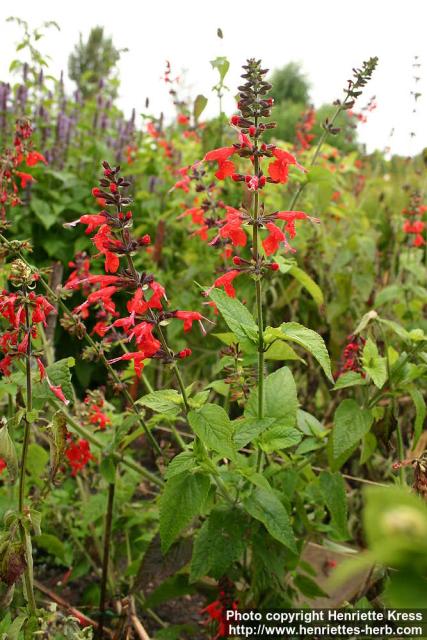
(214, 428)
(221, 63)
(247, 429)
(59, 374)
(8, 451)
(374, 364)
(219, 543)
(333, 491)
(349, 379)
(199, 106)
(166, 401)
(51, 544)
(308, 283)
(351, 423)
(43, 212)
(279, 437)
(420, 411)
(308, 587)
(281, 350)
(182, 499)
(310, 340)
(280, 399)
(264, 505)
(184, 461)
(236, 315)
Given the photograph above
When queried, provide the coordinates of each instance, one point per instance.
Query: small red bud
(237, 260)
(185, 353)
(96, 192)
(274, 266)
(121, 216)
(235, 120)
(146, 239)
(262, 181)
(237, 177)
(129, 215)
(113, 187)
(248, 179)
(252, 130)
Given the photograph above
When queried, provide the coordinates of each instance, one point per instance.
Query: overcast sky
(328, 38)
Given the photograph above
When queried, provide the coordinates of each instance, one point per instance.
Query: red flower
(189, 317)
(137, 358)
(196, 213)
(274, 239)
(78, 455)
(225, 166)
(233, 228)
(34, 157)
(279, 169)
(225, 281)
(25, 178)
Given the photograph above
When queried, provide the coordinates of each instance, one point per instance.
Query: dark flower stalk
(352, 92)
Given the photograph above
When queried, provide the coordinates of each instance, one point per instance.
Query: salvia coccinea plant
(236, 497)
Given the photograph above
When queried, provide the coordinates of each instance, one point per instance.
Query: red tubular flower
(225, 167)
(196, 213)
(34, 157)
(25, 178)
(233, 228)
(137, 358)
(275, 237)
(279, 169)
(189, 317)
(225, 281)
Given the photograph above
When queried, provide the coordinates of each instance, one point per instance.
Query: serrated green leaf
(280, 398)
(351, 423)
(166, 401)
(184, 461)
(349, 379)
(264, 505)
(374, 364)
(236, 315)
(182, 499)
(310, 340)
(278, 437)
(333, 491)
(219, 543)
(247, 429)
(214, 428)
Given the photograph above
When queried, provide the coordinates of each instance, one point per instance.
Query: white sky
(328, 38)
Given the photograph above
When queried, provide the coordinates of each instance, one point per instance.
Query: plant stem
(258, 295)
(106, 557)
(25, 535)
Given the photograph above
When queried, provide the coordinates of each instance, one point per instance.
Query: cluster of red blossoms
(146, 305)
(10, 162)
(94, 414)
(254, 106)
(351, 355)
(303, 128)
(24, 310)
(414, 224)
(78, 454)
(216, 611)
